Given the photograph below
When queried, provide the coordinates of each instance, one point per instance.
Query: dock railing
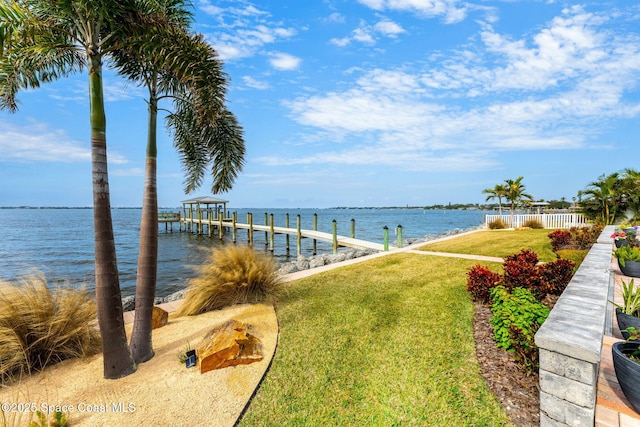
(555, 220)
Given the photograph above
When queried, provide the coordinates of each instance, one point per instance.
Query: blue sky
(367, 103)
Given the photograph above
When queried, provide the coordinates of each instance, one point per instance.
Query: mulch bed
(518, 393)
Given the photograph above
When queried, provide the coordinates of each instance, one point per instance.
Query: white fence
(560, 220)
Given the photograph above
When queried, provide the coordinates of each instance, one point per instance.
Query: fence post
(335, 236)
(385, 232)
(250, 230)
(353, 228)
(399, 229)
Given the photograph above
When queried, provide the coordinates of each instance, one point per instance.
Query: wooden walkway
(342, 241)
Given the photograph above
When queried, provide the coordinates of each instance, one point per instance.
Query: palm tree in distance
(604, 195)
(515, 194)
(497, 192)
(41, 42)
(171, 63)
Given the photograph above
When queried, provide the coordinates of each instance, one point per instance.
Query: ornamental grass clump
(234, 275)
(40, 326)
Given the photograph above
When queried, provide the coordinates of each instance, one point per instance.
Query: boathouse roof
(204, 200)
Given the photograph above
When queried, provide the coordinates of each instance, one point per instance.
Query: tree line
(607, 200)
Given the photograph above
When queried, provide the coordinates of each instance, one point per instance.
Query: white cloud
(41, 144)
(365, 33)
(255, 84)
(284, 61)
(335, 17)
(243, 31)
(389, 28)
(451, 11)
(545, 91)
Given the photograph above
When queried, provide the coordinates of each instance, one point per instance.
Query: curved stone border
(570, 341)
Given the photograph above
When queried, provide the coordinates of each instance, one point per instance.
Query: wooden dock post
(210, 220)
(385, 233)
(234, 230)
(250, 229)
(334, 226)
(298, 235)
(353, 228)
(399, 235)
(271, 237)
(315, 228)
(266, 233)
(220, 219)
(286, 225)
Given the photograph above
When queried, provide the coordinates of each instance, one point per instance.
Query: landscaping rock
(159, 317)
(228, 344)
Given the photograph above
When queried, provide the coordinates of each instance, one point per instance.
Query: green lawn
(498, 243)
(387, 342)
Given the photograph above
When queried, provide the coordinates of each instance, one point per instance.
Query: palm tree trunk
(116, 357)
(141, 342)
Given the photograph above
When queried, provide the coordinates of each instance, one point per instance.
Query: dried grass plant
(40, 326)
(234, 275)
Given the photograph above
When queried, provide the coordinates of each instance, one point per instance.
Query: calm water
(59, 242)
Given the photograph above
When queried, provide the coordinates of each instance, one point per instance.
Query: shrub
(41, 326)
(533, 223)
(585, 237)
(575, 237)
(480, 281)
(559, 239)
(517, 316)
(234, 275)
(555, 276)
(520, 270)
(497, 224)
(575, 255)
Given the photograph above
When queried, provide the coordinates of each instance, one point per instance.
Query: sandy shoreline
(162, 391)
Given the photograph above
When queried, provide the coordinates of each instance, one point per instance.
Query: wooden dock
(197, 222)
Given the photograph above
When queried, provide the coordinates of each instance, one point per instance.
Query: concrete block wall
(570, 341)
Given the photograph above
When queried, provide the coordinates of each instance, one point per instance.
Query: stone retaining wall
(570, 341)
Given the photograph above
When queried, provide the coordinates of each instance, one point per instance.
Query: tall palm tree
(43, 41)
(497, 192)
(171, 63)
(515, 194)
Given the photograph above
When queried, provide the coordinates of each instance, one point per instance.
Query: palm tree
(601, 198)
(515, 194)
(170, 63)
(497, 192)
(630, 188)
(43, 41)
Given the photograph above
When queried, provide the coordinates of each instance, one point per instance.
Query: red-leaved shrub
(480, 281)
(520, 271)
(556, 275)
(559, 239)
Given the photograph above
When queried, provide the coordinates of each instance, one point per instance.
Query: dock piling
(386, 238)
